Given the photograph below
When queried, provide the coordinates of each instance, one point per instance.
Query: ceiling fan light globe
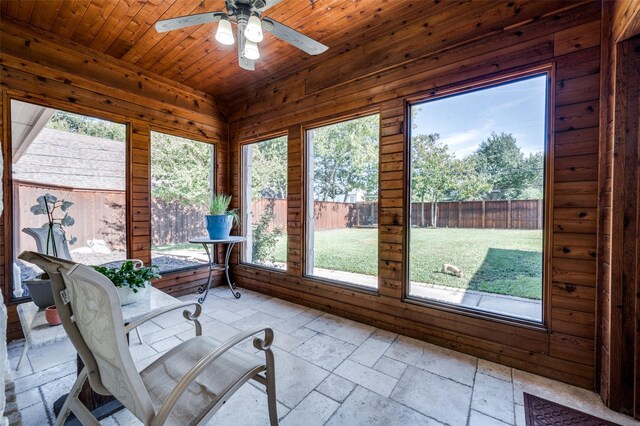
(251, 50)
(224, 33)
(253, 31)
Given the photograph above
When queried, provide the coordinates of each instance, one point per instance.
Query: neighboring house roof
(70, 159)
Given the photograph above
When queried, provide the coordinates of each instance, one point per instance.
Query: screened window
(69, 188)
(264, 169)
(182, 184)
(342, 201)
(477, 198)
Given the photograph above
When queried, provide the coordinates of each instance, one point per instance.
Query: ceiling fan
(247, 15)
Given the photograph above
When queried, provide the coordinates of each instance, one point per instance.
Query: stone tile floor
(329, 370)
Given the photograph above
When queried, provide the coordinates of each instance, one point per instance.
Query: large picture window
(264, 170)
(477, 198)
(68, 170)
(342, 201)
(182, 185)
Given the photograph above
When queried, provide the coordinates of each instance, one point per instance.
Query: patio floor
(519, 307)
(329, 371)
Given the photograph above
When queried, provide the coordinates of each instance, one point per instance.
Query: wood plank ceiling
(124, 29)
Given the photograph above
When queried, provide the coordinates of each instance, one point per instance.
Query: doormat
(540, 412)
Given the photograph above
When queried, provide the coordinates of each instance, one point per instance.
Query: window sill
(476, 313)
(342, 284)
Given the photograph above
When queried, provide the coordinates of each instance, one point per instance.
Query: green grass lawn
(493, 260)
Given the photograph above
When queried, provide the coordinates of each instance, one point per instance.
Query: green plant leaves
(220, 204)
(127, 275)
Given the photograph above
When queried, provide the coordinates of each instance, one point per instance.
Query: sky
(465, 120)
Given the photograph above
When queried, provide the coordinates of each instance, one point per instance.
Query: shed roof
(70, 159)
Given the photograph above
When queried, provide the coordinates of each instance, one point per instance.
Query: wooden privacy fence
(98, 214)
(498, 214)
(327, 214)
(174, 222)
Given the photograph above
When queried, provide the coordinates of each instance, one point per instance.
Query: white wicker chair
(185, 386)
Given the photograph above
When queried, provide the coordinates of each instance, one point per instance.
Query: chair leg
(139, 335)
(23, 354)
(72, 403)
(271, 389)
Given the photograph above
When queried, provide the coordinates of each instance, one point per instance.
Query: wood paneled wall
(618, 255)
(567, 40)
(38, 67)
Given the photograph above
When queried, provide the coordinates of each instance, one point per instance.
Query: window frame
(244, 203)
(307, 201)
(178, 134)
(8, 199)
(547, 70)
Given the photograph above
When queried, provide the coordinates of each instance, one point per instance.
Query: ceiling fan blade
(187, 21)
(293, 37)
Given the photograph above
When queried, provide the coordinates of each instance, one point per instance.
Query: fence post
(483, 215)
(508, 214)
(458, 221)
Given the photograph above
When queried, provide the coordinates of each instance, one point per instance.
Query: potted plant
(56, 237)
(220, 219)
(131, 279)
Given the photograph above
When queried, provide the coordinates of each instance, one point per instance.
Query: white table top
(154, 299)
(38, 332)
(207, 240)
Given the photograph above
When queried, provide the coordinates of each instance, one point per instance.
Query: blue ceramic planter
(218, 226)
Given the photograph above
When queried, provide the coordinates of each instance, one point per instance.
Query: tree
(269, 169)
(510, 173)
(84, 125)
(181, 170)
(346, 158)
(432, 172)
(436, 175)
(470, 185)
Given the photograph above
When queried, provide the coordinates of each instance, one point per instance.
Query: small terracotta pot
(51, 314)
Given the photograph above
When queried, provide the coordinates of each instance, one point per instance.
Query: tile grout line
(473, 389)
(44, 404)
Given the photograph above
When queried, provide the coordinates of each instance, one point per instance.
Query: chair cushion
(162, 376)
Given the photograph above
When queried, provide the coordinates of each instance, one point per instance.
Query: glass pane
(342, 232)
(265, 202)
(182, 184)
(79, 162)
(477, 198)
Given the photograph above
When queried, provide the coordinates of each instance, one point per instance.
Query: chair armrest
(262, 344)
(187, 315)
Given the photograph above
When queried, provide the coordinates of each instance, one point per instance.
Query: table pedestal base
(212, 266)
